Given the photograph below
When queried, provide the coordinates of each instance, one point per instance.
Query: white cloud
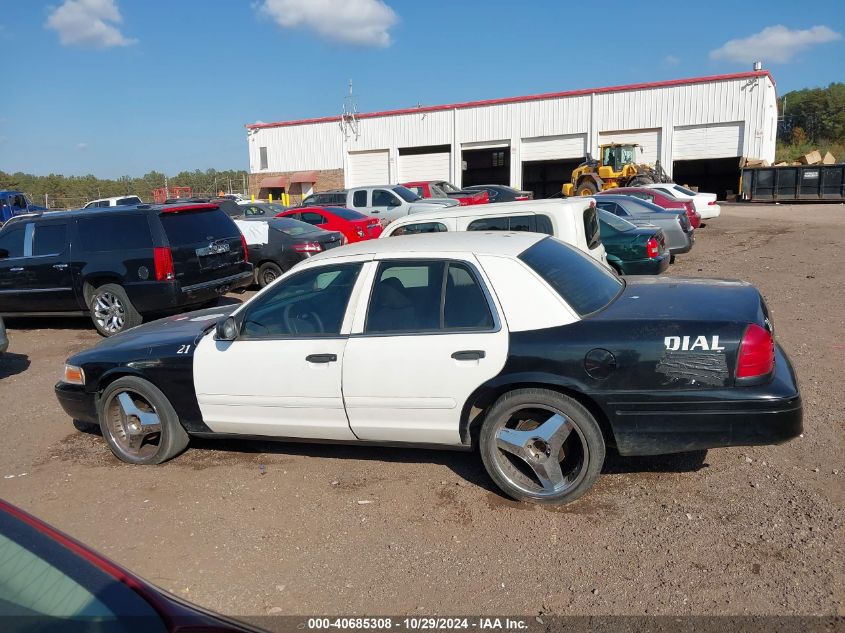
(671, 61)
(358, 22)
(89, 23)
(774, 44)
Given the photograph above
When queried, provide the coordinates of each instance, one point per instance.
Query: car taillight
(246, 250)
(163, 262)
(652, 248)
(756, 353)
(712, 203)
(516, 198)
(308, 247)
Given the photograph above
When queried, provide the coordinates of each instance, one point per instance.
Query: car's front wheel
(139, 423)
(111, 310)
(541, 446)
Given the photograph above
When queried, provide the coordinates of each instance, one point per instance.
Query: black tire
(639, 181)
(267, 273)
(586, 188)
(671, 258)
(580, 456)
(111, 310)
(116, 424)
(616, 267)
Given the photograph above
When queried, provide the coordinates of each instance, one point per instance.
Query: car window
(311, 303)
(359, 198)
(684, 190)
(382, 198)
(11, 242)
(406, 194)
(426, 296)
(611, 207)
(252, 210)
(522, 223)
(592, 233)
(129, 200)
(420, 227)
(194, 227)
(347, 214)
(313, 218)
(50, 239)
(114, 233)
(290, 226)
(543, 224)
(582, 282)
(417, 190)
(614, 222)
(489, 224)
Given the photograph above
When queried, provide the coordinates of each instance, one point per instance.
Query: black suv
(120, 263)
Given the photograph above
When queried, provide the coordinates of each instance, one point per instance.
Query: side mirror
(227, 329)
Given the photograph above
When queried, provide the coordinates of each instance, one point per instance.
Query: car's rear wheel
(139, 423)
(541, 446)
(111, 310)
(267, 273)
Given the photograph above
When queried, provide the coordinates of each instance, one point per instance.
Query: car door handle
(59, 266)
(375, 212)
(469, 354)
(17, 269)
(321, 358)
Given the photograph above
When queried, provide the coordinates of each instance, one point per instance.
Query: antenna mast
(349, 117)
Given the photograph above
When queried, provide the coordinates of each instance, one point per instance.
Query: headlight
(74, 375)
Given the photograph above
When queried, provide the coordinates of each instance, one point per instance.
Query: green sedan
(633, 249)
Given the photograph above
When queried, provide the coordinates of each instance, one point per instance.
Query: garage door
(692, 142)
(554, 147)
(434, 166)
(368, 168)
(649, 140)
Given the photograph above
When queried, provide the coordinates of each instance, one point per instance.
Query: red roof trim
(537, 97)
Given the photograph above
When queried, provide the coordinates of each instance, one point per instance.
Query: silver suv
(386, 202)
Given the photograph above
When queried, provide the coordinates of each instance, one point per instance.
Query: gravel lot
(249, 528)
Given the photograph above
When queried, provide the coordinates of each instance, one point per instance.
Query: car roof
(499, 208)
(109, 211)
(128, 195)
(480, 242)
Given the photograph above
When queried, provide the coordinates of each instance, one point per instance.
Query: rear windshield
(292, 227)
(615, 222)
(684, 190)
(583, 283)
(113, 232)
(591, 228)
(193, 227)
(346, 214)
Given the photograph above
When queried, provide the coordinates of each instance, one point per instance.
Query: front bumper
(678, 421)
(77, 403)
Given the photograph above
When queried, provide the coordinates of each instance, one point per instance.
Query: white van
(571, 220)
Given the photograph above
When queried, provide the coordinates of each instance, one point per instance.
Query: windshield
(684, 190)
(614, 221)
(583, 283)
(448, 187)
(406, 194)
(436, 192)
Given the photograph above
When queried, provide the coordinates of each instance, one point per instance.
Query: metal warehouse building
(697, 128)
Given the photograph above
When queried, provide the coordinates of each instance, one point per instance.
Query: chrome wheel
(539, 450)
(132, 423)
(109, 312)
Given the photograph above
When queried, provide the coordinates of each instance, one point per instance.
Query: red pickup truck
(444, 189)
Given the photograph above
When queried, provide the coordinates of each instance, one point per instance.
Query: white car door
(429, 336)
(281, 376)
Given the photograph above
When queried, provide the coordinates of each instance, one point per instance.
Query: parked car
(680, 236)
(260, 210)
(571, 220)
(354, 226)
(277, 244)
(120, 265)
(512, 343)
(659, 198)
(14, 203)
(117, 201)
(385, 202)
(501, 193)
(705, 203)
(439, 189)
(632, 249)
(4, 338)
(52, 582)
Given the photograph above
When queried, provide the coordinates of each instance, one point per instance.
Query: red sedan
(443, 189)
(660, 199)
(355, 226)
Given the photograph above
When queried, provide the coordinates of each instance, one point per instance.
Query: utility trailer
(793, 183)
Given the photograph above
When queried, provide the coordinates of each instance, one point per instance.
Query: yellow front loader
(616, 167)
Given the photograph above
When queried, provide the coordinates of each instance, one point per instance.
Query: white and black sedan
(513, 343)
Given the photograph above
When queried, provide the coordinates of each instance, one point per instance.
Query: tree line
(74, 191)
(812, 118)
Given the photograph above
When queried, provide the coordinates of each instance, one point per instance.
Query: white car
(705, 203)
(117, 201)
(572, 220)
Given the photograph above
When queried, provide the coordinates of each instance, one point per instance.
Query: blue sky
(115, 87)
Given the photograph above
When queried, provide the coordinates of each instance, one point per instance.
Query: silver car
(680, 235)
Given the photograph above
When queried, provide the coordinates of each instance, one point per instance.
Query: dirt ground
(248, 528)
